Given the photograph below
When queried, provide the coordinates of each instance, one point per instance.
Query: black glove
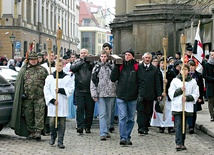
(139, 99)
(85, 58)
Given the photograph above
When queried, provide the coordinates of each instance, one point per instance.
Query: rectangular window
(88, 41)
(86, 22)
(99, 38)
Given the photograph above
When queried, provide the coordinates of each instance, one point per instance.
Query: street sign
(18, 45)
(111, 40)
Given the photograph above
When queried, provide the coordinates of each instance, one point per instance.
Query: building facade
(142, 24)
(94, 27)
(38, 19)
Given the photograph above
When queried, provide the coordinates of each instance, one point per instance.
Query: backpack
(94, 76)
(135, 67)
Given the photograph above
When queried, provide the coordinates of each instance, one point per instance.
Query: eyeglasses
(154, 61)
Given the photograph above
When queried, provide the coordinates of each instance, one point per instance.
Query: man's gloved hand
(115, 64)
(85, 58)
(139, 99)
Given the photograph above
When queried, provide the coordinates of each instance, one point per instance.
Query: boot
(61, 146)
(31, 136)
(52, 141)
(38, 135)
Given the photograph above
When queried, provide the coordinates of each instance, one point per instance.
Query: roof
(87, 10)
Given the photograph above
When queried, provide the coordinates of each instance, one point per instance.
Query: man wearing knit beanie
(130, 50)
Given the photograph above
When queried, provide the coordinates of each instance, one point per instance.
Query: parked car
(6, 101)
(9, 74)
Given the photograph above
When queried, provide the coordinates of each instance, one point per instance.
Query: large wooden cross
(114, 57)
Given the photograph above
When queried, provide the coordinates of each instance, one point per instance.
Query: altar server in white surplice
(65, 89)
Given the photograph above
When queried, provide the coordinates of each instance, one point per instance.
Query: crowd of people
(118, 89)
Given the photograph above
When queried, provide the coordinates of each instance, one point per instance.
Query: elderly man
(85, 104)
(149, 89)
(29, 107)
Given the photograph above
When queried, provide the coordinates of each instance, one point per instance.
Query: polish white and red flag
(198, 52)
(198, 47)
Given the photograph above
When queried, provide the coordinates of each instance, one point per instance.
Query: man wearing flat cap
(126, 91)
(189, 55)
(28, 112)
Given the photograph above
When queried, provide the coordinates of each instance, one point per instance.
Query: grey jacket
(105, 87)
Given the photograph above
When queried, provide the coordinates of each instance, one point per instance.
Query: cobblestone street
(89, 144)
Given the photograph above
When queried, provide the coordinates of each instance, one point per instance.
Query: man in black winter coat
(126, 91)
(208, 75)
(85, 104)
(149, 89)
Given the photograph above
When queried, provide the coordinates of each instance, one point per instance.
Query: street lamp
(12, 40)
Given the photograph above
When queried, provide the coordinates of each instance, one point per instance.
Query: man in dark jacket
(208, 74)
(149, 89)
(126, 91)
(85, 104)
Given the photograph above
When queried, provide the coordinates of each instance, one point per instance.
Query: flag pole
(58, 38)
(49, 44)
(165, 45)
(183, 47)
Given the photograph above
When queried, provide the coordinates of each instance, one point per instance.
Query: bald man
(85, 104)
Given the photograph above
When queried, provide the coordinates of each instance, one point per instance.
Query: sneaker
(123, 142)
(191, 131)
(61, 146)
(128, 142)
(38, 135)
(102, 138)
(108, 135)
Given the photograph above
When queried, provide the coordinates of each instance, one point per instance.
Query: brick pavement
(89, 144)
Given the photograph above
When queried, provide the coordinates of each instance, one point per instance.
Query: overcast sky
(104, 3)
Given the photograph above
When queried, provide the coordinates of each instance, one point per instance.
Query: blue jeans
(104, 109)
(113, 111)
(179, 137)
(126, 112)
